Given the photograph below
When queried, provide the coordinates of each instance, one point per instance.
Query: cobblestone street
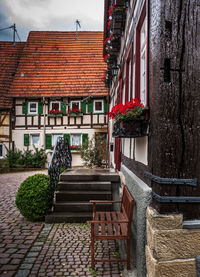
(39, 249)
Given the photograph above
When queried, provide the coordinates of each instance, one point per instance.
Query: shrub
(28, 158)
(93, 152)
(33, 197)
(13, 158)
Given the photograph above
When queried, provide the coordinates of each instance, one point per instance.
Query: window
(55, 105)
(75, 105)
(143, 42)
(98, 106)
(33, 107)
(76, 140)
(55, 137)
(1, 150)
(35, 139)
(141, 57)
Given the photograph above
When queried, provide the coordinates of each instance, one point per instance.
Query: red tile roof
(58, 64)
(9, 58)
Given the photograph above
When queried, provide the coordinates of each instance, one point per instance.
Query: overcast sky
(49, 15)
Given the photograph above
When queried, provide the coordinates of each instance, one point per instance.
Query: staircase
(76, 188)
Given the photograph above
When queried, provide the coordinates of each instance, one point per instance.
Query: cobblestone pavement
(38, 249)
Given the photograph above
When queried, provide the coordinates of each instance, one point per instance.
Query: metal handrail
(61, 159)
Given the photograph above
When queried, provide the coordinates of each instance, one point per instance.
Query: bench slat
(116, 225)
(110, 229)
(122, 225)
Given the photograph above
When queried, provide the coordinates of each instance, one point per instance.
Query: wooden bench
(112, 226)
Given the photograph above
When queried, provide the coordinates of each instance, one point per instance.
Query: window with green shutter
(40, 108)
(84, 138)
(90, 106)
(24, 107)
(63, 107)
(83, 106)
(67, 137)
(26, 139)
(48, 141)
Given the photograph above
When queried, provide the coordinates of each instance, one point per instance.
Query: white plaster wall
(141, 147)
(101, 119)
(126, 147)
(95, 119)
(86, 119)
(18, 137)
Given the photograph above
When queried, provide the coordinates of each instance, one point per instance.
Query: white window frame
(55, 102)
(95, 111)
(75, 101)
(32, 135)
(53, 138)
(29, 104)
(143, 57)
(1, 157)
(71, 135)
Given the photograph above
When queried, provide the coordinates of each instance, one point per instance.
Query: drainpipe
(44, 127)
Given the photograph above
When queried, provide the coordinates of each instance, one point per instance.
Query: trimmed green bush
(32, 198)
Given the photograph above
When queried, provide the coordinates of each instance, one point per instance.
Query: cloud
(55, 15)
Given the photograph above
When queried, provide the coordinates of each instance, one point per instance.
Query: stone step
(85, 174)
(68, 217)
(88, 185)
(80, 207)
(74, 195)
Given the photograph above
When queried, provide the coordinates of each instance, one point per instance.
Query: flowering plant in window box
(75, 112)
(52, 147)
(75, 147)
(129, 119)
(110, 59)
(55, 112)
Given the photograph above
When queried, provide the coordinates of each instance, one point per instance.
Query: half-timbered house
(58, 91)
(9, 58)
(151, 48)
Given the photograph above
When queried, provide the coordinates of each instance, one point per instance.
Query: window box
(75, 114)
(55, 115)
(130, 128)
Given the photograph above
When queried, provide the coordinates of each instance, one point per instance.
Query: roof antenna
(78, 25)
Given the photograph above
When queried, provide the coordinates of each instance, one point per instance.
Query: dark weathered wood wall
(174, 97)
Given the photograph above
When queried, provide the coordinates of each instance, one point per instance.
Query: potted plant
(129, 119)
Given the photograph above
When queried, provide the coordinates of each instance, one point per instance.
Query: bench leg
(128, 254)
(92, 253)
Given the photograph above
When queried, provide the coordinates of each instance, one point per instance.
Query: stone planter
(130, 128)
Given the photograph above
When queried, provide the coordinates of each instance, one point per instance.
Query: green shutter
(48, 141)
(26, 139)
(90, 106)
(63, 107)
(105, 106)
(67, 137)
(83, 106)
(84, 138)
(40, 108)
(24, 107)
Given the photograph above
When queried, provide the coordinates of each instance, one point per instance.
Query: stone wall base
(170, 250)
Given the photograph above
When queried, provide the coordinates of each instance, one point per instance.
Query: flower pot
(130, 128)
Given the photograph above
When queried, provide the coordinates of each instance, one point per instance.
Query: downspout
(44, 127)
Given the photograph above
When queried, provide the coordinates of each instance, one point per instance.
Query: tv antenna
(14, 32)
(78, 25)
